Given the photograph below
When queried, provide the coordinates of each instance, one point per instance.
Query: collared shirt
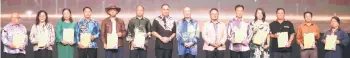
(187, 32)
(275, 27)
(211, 36)
(143, 24)
(304, 28)
(42, 30)
(165, 27)
(85, 26)
(8, 32)
(235, 25)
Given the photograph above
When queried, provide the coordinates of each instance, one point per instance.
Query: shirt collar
(191, 20)
(305, 24)
(142, 18)
(217, 22)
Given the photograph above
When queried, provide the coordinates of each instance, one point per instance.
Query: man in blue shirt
(87, 26)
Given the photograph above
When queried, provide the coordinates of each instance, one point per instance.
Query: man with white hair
(14, 38)
(187, 35)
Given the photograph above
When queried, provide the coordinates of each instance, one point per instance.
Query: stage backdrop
(323, 10)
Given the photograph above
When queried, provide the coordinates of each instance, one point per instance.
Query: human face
(165, 10)
(87, 13)
(308, 17)
(139, 11)
(239, 12)
(42, 17)
(187, 12)
(15, 18)
(334, 23)
(259, 15)
(66, 15)
(280, 14)
(112, 12)
(214, 15)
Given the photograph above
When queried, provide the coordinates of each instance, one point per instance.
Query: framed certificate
(43, 39)
(85, 39)
(330, 42)
(309, 40)
(239, 36)
(68, 35)
(112, 41)
(139, 39)
(282, 39)
(260, 37)
(18, 40)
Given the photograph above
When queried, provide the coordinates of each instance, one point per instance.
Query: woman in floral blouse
(42, 36)
(260, 50)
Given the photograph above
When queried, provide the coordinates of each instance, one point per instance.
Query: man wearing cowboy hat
(113, 28)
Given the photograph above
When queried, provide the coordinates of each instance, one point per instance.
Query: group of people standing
(255, 39)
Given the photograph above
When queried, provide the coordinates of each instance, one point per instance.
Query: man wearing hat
(113, 28)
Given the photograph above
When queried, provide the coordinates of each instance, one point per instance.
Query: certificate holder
(309, 40)
(68, 35)
(112, 41)
(260, 37)
(330, 42)
(85, 39)
(282, 39)
(18, 40)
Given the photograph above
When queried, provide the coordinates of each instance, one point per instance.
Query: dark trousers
(111, 53)
(138, 53)
(87, 53)
(163, 53)
(240, 54)
(20, 55)
(188, 55)
(43, 53)
(215, 54)
(281, 55)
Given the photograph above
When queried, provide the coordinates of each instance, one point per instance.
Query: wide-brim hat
(111, 7)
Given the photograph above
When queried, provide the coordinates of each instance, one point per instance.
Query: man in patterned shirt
(14, 32)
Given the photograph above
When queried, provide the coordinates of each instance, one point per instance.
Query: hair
(239, 5)
(140, 6)
(70, 12)
(337, 19)
(263, 13)
(86, 8)
(37, 20)
(280, 9)
(307, 12)
(164, 5)
(212, 9)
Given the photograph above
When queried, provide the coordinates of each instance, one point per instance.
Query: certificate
(18, 40)
(330, 42)
(309, 40)
(282, 39)
(260, 37)
(239, 36)
(85, 39)
(139, 39)
(112, 41)
(68, 35)
(43, 39)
